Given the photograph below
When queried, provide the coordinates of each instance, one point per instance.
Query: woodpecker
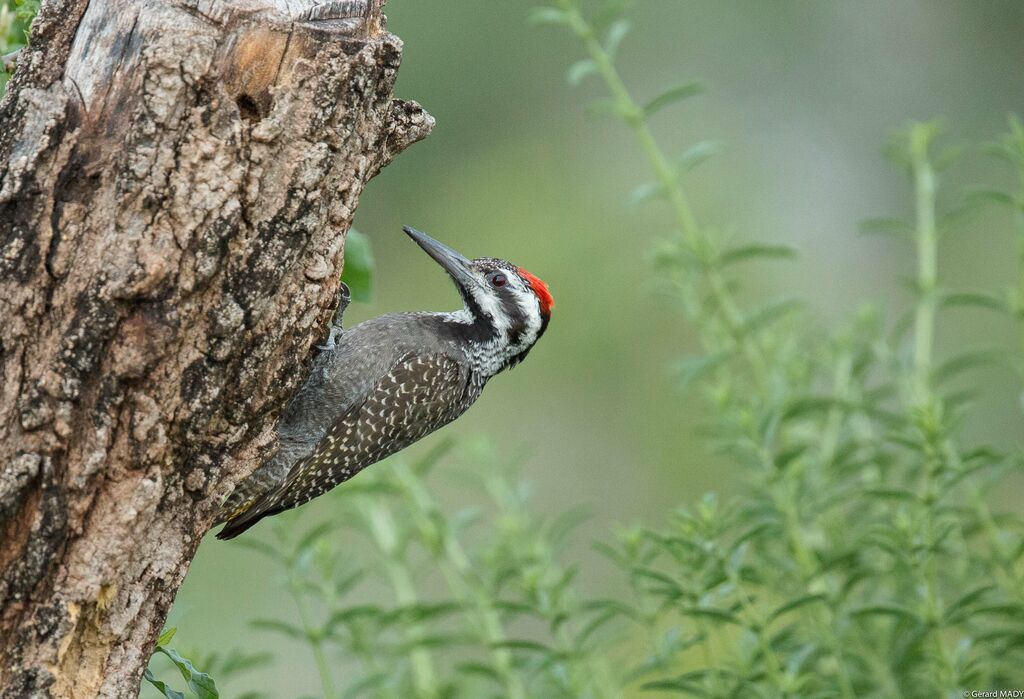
(385, 383)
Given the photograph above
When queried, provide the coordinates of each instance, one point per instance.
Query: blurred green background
(804, 94)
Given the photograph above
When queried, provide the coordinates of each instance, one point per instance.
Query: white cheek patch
(530, 306)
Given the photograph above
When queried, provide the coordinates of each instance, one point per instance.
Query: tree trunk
(176, 181)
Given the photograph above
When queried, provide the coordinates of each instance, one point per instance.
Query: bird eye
(498, 279)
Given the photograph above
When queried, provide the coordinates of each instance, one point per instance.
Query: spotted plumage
(390, 381)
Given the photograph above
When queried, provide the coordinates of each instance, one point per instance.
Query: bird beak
(457, 266)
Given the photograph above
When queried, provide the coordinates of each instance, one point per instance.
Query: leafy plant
(200, 684)
(494, 575)
(864, 559)
(359, 266)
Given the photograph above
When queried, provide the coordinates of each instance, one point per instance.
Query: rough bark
(176, 181)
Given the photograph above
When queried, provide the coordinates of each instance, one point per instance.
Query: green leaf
(802, 406)
(349, 615)
(691, 683)
(434, 456)
(562, 527)
(480, 670)
(757, 251)
(947, 156)
(616, 33)
(715, 613)
(615, 607)
(767, 314)
(610, 552)
(892, 610)
(976, 299)
(370, 682)
(592, 626)
(796, 604)
(440, 640)
(239, 661)
(548, 15)
(690, 369)
(580, 70)
(892, 494)
(200, 683)
(697, 154)
(646, 192)
(958, 610)
(992, 196)
(359, 266)
(671, 96)
(1009, 610)
(965, 361)
(161, 686)
(415, 613)
(166, 636)
(753, 533)
(671, 586)
(27, 10)
(345, 583)
(310, 538)
(522, 644)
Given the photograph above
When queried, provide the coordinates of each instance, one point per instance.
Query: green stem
(590, 673)
(313, 636)
(699, 244)
(1018, 224)
(385, 536)
(1015, 146)
(1006, 572)
(823, 617)
(921, 393)
(759, 624)
(458, 573)
(927, 261)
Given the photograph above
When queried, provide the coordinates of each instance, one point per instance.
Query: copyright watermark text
(994, 693)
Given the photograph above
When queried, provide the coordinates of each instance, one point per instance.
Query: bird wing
(419, 394)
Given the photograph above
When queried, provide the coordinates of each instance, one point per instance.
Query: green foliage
(15, 19)
(501, 617)
(359, 266)
(227, 666)
(863, 559)
(200, 684)
(1010, 150)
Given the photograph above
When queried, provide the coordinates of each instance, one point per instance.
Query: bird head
(507, 309)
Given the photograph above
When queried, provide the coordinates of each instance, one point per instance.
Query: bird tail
(252, 499)
(248, 514)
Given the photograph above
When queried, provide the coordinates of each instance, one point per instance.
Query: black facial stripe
(514, 312)
(522, 355)
(480, 331)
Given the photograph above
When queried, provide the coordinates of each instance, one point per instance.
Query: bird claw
(344, 298)
(332, 339)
